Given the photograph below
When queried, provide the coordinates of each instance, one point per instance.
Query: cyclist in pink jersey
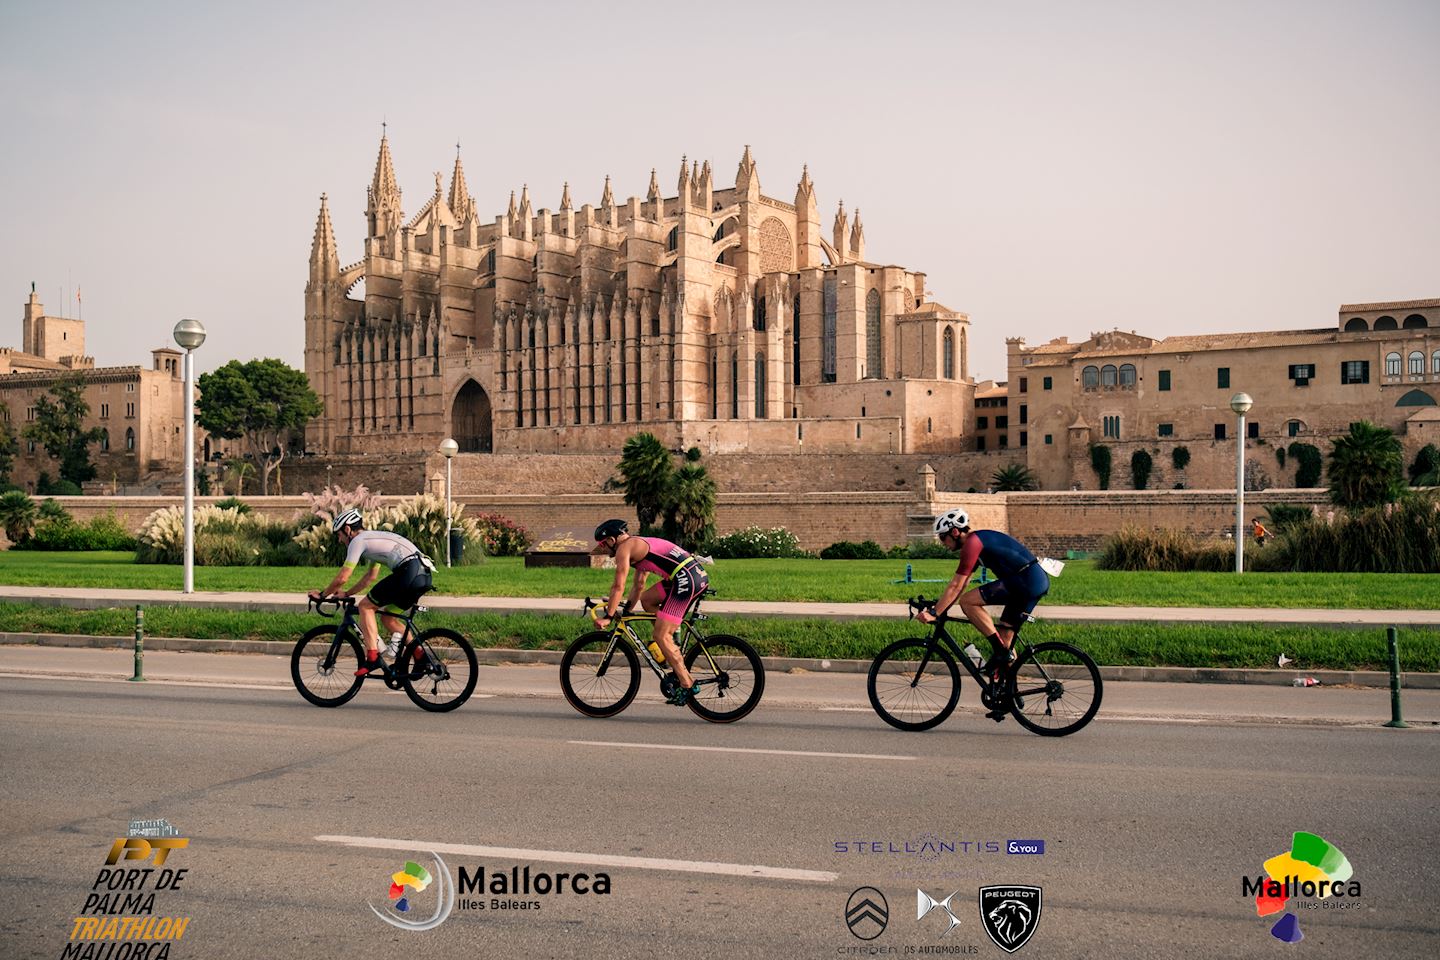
(682, 581)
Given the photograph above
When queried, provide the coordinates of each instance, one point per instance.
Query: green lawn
(1143, 645)
(823, 580)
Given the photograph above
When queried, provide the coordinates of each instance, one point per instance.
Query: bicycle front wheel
(730, 675)
(1055, 689)
(600, 674)
(439, 670)
(914, 684)
(323, 670)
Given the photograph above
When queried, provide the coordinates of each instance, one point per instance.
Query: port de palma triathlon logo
(417, 879)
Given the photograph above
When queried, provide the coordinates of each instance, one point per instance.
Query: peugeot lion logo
(924, 904)
(1010, 914)
(418, 878)
(867, 913)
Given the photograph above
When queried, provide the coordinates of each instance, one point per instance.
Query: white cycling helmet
(951, 520)
(347, 518)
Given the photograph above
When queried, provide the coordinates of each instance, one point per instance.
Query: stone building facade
(717, 317)
(1380, 362)
(140, 410)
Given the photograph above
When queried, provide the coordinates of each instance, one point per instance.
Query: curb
(497, 655)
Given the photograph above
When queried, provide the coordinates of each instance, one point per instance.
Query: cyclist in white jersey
(408, 581)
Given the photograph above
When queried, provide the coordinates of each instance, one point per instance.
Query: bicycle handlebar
(334, 603)
(919, 603)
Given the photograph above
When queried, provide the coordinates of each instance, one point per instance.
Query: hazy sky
(1055, 167)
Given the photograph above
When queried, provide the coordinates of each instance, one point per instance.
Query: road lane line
(783, 753)
(590, 859)
(158, 681)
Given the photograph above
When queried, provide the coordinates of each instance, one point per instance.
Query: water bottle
(1305, 682)
(974, 654)
(657, 653)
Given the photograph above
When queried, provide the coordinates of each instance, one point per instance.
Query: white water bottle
(974, 654)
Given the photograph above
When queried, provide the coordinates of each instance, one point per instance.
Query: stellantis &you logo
(418, 879)
(1314, 867)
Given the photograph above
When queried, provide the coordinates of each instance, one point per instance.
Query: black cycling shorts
(406, 584)
(1019, 594)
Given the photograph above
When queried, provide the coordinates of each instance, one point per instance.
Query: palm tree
(645, 473)
(1367, 468)
(1017, 476)
(17, 514)
(691, 507)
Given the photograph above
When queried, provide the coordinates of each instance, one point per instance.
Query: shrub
(1180, 457)
(1014, 477)
(1137, 548)
(1282, 516)
(1401, 537)
(501, 537)
(330, 502)
(1140, 466)
(421, 520)
(846, 550)
(162, 535)
(1280, 457)
(1100, 463)
(228, 548)
(753, 543)
(17, 514)
(51, 510)
(1310, 464)
(233, 503)
(927, 550)
(63, 533)
(1425, 471)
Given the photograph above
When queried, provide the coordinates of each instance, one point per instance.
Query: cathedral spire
(384, 180)
(324, 257)
(857, 238)
(607, 199)
(746, 178)
(841, 231)
(461, 203)
(382, 210)
(525, 210)
(565, 203)
(512, 213)
(654, 192)
(684, 182)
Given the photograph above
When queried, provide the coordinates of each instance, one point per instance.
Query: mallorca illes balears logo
(418, 879)
(1314, 868)
(118, 920)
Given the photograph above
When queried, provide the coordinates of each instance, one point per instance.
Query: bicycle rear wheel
(914, 684)
(439, 670)
(600, 674)
(323, 678)
(730, 675)
(1055, 689)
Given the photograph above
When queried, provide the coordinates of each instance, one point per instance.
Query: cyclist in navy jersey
(682, 582)
(1020, 582)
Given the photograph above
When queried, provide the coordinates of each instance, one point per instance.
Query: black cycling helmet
(611, 528)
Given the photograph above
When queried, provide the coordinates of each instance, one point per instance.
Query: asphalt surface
(297, 817)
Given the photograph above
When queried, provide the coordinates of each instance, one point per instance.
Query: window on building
(672, 242)
(1024, 384)
(1024, 439)
(1293, 428)
(104, 411)
(982, 423)
(1004, 441)
(1355, 371)
(1109, 375)
(1164, 379)
(1435, 362)
(1049, 439)
(1090, 377)
(1127, 376)
(947, 354)
(760, 314)
(1252, 430)
(1219, 431)
(1302, 373)
(1222, 378)
(1002, 423)
(129, 438)
(761, 410)
(795, 341)
(874, 337)
(1166, 430)
(1112, 427)
(827, 337)
(104, 441)
(1417, 363)
(734, 386)
(1392, 364)
(130, 410)
(1048, 382)
(129, 388)
(1386, 323)
(979, 445)
(1024, 413)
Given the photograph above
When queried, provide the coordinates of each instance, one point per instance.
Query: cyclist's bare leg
(368, 629)
(973, 606)
(664, 632)
(651, 599)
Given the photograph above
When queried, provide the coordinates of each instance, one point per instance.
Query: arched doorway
(470, 419)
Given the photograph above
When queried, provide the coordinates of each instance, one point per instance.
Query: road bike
(600, 671)
(1052, 688)
(436, 668)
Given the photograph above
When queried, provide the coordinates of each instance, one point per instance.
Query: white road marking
(783, 753)
(590, 859)
(178, 683)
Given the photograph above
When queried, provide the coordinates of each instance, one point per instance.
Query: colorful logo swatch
(414, 876)
(1314, 867)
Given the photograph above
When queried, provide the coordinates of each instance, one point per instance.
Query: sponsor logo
(138, 848)
(122, 916)
(1024, 847)
(867, 913)
(931, 847)
(1010, 914)
(418, 879)
(926, 905)
(1313, 868)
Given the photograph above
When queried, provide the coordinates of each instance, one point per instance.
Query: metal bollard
(139, 644)
(1395, 719)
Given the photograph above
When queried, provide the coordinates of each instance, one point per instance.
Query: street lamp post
(448, 448)
(1240, 403)
(189, 334)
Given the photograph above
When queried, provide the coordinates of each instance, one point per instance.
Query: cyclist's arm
(370, 577)
(969, 557)
(622, 571)
(338, 584)
(636, 590)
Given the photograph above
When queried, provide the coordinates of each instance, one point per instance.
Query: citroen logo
(867, 913)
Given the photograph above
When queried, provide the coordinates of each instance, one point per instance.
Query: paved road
(297, 817)
(90, 598)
